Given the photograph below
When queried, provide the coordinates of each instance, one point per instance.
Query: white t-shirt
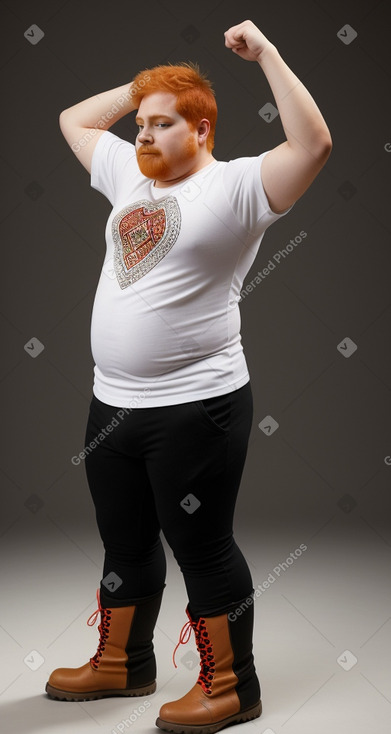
(165, 323)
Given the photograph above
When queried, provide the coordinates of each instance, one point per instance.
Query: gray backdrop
(315, 330)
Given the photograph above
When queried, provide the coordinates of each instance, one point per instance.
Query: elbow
(63, 113)
(327, 145)
(320, 150)
(324, 147)
(61, 117)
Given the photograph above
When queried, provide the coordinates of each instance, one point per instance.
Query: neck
(171, 182)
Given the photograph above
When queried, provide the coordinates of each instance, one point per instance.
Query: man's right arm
(84, 123)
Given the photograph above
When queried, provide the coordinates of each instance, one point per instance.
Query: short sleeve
(246, 194)
(110, 156)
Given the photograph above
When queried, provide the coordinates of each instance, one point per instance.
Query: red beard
(152, 163)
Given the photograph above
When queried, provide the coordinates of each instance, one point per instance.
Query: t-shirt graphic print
(143, 233)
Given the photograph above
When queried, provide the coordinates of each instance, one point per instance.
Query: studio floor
(322, 638)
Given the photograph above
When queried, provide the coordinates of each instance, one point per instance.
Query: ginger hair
(194, 92)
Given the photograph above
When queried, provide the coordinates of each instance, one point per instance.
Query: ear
(203, 129)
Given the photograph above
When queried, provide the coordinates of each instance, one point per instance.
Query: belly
(145, 339)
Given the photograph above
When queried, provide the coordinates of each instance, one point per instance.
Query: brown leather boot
(124, 663)
(227, 690)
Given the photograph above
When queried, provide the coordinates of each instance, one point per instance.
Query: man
(171, 412)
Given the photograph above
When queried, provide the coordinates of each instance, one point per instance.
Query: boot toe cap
(66, 678)
(186, 712)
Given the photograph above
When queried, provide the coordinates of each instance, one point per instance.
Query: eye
(158, 124)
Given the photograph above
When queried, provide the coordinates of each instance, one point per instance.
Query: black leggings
(175, 469)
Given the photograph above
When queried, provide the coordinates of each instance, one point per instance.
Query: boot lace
(103, 628)
(204, 647)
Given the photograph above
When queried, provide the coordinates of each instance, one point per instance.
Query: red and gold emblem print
(143, 234)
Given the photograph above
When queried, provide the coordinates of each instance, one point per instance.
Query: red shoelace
(103, 629)
(204, 648)
(184, 636)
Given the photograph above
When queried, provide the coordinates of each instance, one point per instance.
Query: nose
(144, 135)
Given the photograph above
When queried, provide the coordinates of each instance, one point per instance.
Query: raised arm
(84, 123)
(288, 169)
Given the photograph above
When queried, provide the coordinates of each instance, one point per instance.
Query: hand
(246, 40)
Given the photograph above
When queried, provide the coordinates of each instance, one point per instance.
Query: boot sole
(59, 695)
(242, 716)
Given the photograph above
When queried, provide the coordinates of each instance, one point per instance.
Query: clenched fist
(246, 40)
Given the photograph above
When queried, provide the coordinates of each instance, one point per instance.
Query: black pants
(175, 469)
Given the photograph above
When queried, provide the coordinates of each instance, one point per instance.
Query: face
(167, 148)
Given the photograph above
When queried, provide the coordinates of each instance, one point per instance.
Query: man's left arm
(288, 169)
